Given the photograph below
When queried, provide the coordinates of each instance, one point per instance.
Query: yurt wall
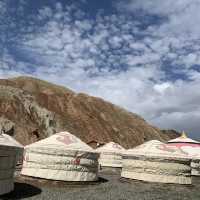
(110, 155)
(153, 161)
(61, 157)
(157, 169)
(195, 164)
(191, 149)
(10, 151)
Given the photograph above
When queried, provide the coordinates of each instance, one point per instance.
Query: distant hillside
(171, 133)
(32, 109)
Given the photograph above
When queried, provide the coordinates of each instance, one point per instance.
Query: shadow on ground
(102, 180)
(41, 182)
(21, 191)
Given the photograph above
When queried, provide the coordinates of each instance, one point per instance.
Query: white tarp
(154, 161)
(192, 150)
(63, 157)
(10, 151)
(110, 155)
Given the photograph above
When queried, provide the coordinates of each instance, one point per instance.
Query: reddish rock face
(37, 109)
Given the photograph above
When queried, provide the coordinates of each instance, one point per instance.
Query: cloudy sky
(143, 55)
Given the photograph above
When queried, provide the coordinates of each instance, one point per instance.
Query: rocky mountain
(32, 109)
(171, 133)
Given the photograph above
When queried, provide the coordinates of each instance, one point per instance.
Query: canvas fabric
(157, 162)
(110, 155)
(10, 146)
(110, 160)
(157, 148)
(183, 139)
(192, 150)
(10, 151)
(111, 147)
(61, 157)
(157, 170)
(195, 164)
(61, 141)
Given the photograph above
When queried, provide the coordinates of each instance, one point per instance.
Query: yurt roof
(156, 148)
(187, 145)
(110, 147)
(62, 140)
(184, 139)
(8, 141)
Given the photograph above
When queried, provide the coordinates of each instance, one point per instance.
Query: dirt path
(111, 187)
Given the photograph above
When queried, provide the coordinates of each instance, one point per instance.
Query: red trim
(183, 144)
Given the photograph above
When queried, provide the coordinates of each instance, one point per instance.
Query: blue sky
(143, 55)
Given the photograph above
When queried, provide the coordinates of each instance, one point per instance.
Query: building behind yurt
(10, 152)
(153, 161)
(191, 148)
(110, 155)
(63, 157)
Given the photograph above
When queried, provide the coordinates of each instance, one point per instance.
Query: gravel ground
(111, 187)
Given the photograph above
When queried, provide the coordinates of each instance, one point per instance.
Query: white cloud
(112, 57)
(161, 88)
(183, 15)
(157, 7)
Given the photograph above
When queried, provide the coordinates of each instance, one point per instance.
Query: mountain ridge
(32, 109)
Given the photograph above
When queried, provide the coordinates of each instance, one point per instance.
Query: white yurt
(192, 150)
(63, 157)
(153, 161)
(10, 152)
(195, 165)
(110, 155)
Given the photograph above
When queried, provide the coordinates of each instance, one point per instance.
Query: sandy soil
(110, 187)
